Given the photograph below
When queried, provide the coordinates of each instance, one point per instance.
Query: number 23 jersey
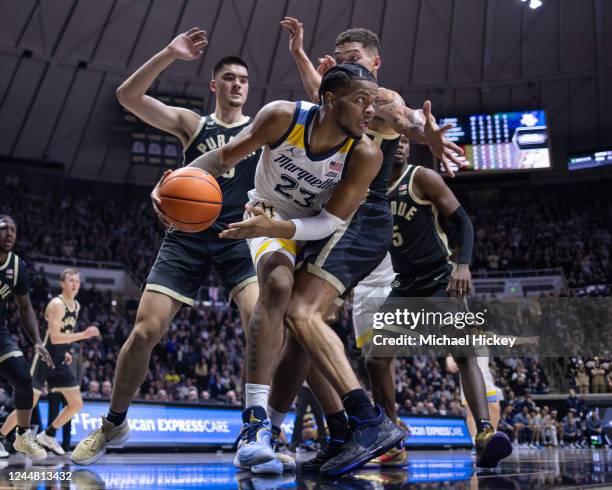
(290, 179)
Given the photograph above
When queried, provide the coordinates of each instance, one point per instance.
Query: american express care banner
(192, 425)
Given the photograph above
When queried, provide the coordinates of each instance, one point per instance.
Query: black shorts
(354, 251)
(184, 260)
(430, 284)
(58, 379)
(8, 346)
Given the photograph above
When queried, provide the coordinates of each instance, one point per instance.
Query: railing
(506, 274)
(94, 264)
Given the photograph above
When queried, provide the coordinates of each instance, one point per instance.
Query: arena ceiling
(61, 61)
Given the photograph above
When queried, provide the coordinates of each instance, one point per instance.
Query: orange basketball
(191, 199)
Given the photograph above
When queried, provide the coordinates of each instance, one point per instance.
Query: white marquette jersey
(290, 179)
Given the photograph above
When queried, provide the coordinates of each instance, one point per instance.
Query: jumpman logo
(291, 150)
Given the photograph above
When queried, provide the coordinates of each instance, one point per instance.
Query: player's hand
(325, 64)
(296, 34)
(44, 354)
(157, 202)
(92, 331)
(189, 45)
(460, 283)
(441, 147)
(68, 359)
(258, 225)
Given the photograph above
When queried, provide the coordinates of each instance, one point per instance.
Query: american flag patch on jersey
(9, 273)
(403, 187)
(335, 166)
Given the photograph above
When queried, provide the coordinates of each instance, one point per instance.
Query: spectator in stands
(549, 428)
(571, 431)
(582, 380)
(594, 429)
(107, 389)
(598, 377)
(574, 403)
(521, 426)
(93, 390)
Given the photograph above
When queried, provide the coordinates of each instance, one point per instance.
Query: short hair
(5, 216)
(228, 60)
(367, 38)
(68, 272)
(341, 76)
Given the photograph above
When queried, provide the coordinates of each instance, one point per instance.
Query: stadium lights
(533, 4)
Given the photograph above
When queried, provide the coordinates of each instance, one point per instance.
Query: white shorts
(261, 246)
(368, 296)
(494, 392)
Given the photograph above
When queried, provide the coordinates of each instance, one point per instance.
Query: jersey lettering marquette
(291, 182)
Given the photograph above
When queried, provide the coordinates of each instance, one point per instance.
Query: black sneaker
(367, 439)
(331, 449)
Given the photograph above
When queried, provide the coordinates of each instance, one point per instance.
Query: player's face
(71, 284)
(356, 53)
(231, 85)
(8, 235)
(403, 149)
(354, 107)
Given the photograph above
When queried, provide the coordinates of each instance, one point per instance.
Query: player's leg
(275, 261)
(74, 403)
(246, 299)
(310, 302)
(16, 371)
(381, 373)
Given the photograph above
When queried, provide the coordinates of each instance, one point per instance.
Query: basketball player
(13, 366)
(333, 266)
(494, 393)
(62, 314)
(312, 175)
(184, 259)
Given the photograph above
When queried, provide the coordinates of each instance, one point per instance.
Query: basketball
(191, 199)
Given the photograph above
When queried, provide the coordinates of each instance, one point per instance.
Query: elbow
(314, 97)
(123, 95)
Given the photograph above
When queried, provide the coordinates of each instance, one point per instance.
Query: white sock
(256, 395)
(276, 417)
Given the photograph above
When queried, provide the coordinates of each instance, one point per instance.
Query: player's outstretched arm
(311, 79)
(346, 198)
(54, 313)
(269, 125)
(132, 93)
(435, 189)
(30, 326)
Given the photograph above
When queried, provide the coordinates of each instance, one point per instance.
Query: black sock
(116, 418)
(254, 414)
(357, 404)
(337, 425)
(482, 424)
(50, 431)
(22, 430)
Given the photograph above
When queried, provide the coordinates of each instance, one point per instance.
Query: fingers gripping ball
(191, 199)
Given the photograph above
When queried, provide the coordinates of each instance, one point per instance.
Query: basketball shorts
(8, 346)
(494, 393)
(261, 246)
(184, 262)
(430, 284)
(58, 379)
(368, 296)
(353, 251)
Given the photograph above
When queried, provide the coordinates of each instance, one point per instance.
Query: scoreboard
(501, 141)
(590, 160)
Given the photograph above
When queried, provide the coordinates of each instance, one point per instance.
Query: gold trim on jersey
(195, 134)
(331, 243)
(397, 182)
(413, 196)
(296, 136)
(16, 273)
(8, 355)
(169, 292)
(7, 261)
(76, 305)
(240, 286)
(382, 136)
(218, 121)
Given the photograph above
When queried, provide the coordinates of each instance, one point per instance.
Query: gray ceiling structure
(61, 61)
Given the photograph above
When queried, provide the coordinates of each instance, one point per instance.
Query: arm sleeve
(22, 284)
(465, 238)
(316, 227)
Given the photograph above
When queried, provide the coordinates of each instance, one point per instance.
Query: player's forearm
(142, 79)
(311, 79)
(67, 338)
(212, 162)
(30, 324)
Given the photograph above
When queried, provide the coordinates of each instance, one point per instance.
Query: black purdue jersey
(419, 243)
(235, 183)
(388, 144)
(67, 325)
(13, 281)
